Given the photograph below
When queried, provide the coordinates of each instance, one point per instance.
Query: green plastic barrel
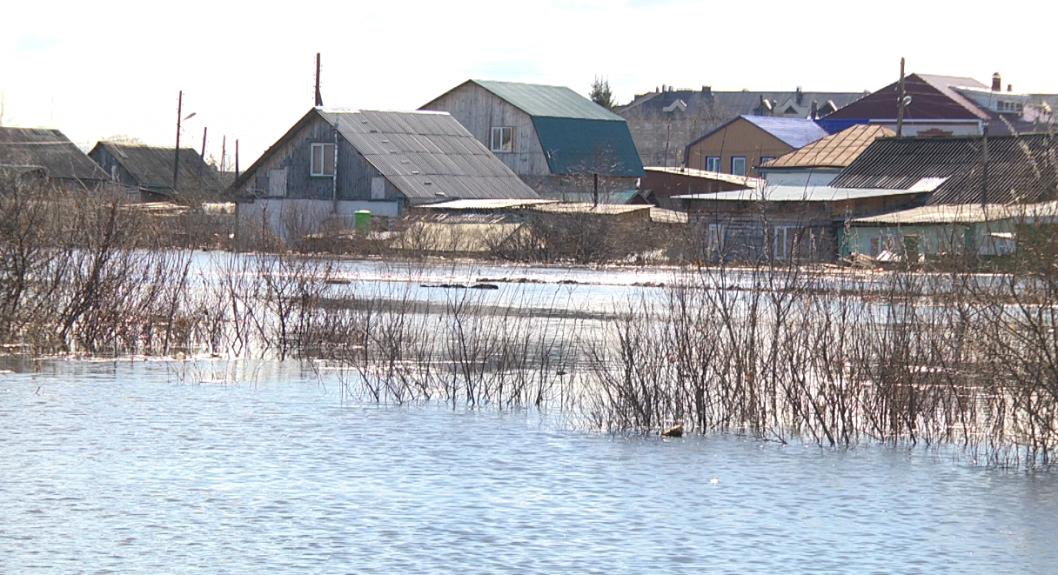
(362, 221)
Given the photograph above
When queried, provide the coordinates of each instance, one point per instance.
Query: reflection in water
(262, 467)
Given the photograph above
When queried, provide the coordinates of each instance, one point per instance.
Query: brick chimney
(997, 82)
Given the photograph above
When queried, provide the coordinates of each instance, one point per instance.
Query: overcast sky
(98, 69)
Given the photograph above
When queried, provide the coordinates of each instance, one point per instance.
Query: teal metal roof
(551, 101)
(583, 146)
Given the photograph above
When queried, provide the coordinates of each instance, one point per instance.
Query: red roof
(932, 98)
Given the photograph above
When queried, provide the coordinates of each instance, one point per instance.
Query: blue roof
(796, 132)
(582, 146)
(552, 101)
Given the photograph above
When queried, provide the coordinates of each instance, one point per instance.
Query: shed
(149, 169)
(50, 150)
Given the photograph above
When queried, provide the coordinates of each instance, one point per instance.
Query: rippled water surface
(151, 467)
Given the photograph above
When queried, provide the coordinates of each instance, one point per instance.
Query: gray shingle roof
(152, 166)
(427, 155)
(49, 149)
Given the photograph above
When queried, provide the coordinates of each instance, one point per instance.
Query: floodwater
(263, 467)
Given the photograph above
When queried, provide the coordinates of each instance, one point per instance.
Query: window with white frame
(785, 240)
(502, 139)
(738, 165)
(322, 160)
(712, 163)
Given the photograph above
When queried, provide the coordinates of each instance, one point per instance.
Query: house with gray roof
(48, 151)
(335, 162)
(149, 170)
(558, 141)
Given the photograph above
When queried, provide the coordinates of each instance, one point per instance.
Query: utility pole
(176, 161)
(319, 97)
(223, 150)
(900, 103)
(236, 159)
(203, 156)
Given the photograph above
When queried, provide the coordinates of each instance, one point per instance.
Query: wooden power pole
(900, 103)
(176, 160)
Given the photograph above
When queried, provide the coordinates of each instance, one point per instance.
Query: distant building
(664, 121)
(741, 145)
(149, 169)
(820, 162)
(336, 161)
(948, 106)
(556, 140)
(49, 152)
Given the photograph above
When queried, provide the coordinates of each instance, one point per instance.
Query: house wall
(739, 138)
(814, 177)
(355, 174)
(933, 239)
(480, 110)
(112, 167)
(748, 229)
(295, 218)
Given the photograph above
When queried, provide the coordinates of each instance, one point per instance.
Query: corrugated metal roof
(152, 166)
(584, 208)
(550, 101)
(1020, 168)
(664, 216)
(964, 214)
(605, 197)
(796, 194)
(427, 155)
(487, 204)
(796, 132)
(748, 181)
(582, 146)
(50, 150)
(834, 151)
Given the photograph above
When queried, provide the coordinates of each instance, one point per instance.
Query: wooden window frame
(326, 156)
(500, 148)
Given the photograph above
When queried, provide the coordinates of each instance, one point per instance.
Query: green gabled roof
(583, 146)
(548, 101)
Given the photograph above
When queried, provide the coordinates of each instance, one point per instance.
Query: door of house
(378, 188)
(277, 183)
